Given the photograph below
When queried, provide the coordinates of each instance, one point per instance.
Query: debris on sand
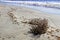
(38, 26)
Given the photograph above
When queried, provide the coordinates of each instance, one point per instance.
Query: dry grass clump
(38, 26)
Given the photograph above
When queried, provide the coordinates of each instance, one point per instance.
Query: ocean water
(38, 8)
(35, 0)
(44, 9)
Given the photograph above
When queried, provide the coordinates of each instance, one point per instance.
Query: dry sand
(12, 28)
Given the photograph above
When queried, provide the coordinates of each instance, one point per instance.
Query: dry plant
(38, 26)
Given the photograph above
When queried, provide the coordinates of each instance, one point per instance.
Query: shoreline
(36, 3)
(11, 27)
(43, 9)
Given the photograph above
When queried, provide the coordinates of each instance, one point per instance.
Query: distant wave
(30, 0)
(53, 7)
(35, 3)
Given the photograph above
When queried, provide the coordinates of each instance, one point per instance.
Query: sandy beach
(12, 28)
